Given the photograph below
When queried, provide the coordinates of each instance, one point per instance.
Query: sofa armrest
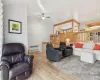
(54, 55)
(4, 70)
(29, 59)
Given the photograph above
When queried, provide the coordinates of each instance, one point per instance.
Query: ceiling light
(43, 18)
(98, 14)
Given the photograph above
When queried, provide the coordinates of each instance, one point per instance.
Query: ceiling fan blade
(48, 17)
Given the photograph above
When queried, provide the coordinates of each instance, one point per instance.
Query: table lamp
(67, 42)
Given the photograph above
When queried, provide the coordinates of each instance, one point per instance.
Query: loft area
(90, 33)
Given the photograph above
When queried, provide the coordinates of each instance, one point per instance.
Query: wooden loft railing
(87, 36)
(84, 36)
(72, 21)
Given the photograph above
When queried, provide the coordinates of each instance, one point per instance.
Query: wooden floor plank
(44, 70)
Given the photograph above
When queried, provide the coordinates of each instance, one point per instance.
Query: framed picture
(14, 26)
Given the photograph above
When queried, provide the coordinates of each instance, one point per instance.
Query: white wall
(16, 12)
(39, 30)
(1, 27)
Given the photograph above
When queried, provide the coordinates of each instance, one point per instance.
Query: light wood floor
(44, 70)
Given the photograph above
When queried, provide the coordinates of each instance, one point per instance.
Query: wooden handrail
(64, 22)
(68, 21)
(84, 31)
(93, 24)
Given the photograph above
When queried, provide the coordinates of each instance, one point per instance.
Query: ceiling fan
(43, 15)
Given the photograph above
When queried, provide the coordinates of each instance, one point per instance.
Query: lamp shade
(67, 40)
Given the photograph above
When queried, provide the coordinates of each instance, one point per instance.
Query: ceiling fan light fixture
(43, 18)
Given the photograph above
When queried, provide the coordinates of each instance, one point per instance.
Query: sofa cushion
(96, 47)
(96, 52)
(88, 45)
(12, 59)
(78, 49)
(87, 50)
(18, 69)
(98, 43)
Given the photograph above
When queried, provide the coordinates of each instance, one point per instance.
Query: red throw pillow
(78, 45)
(96, 47)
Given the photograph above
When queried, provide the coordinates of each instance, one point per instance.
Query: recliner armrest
(29, 58)
(56, 48)
(4, 70)
(4, 63)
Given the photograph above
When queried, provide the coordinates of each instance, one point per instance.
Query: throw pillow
(78, 45)
(96, 47)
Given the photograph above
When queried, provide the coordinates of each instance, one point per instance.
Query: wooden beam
(72, 26)
(69, 29)
(76, 21)
(78, 27)
(64, 22)
(93, 24)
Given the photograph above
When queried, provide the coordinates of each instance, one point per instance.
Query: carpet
(74, 66)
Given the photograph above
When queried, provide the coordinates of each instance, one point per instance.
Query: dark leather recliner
(66, 51)
(62, 45)
(15, 65)
(53, 54)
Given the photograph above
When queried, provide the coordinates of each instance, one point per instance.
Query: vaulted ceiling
(60, 10)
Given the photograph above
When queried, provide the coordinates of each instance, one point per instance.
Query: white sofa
(88, 57)
(87, 48)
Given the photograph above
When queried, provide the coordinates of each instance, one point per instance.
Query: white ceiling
(60, 10)
(7, 2)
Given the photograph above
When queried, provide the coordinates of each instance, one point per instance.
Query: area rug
(74, 66)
